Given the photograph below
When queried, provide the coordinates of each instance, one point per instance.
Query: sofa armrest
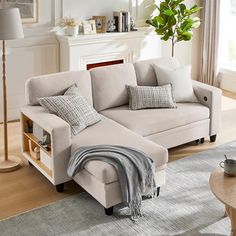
(60, 132)
(211, 97)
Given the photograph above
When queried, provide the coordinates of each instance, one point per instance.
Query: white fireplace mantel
(77, 52)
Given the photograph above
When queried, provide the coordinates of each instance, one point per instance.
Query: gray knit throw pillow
(141, 97)
(73, 108)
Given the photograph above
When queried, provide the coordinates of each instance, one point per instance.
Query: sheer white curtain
(210, 41)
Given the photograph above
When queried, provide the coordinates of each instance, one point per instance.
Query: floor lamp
(10, 28)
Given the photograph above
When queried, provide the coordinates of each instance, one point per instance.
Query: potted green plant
(174, 21)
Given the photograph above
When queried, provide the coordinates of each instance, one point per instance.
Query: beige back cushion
(57, 84)
(108, 84)
(145, 72)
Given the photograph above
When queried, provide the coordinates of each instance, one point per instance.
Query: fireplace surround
(88, 51)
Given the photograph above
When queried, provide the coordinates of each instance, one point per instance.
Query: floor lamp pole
(4, 87)
(9, 163)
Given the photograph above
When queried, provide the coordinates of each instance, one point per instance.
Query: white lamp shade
(10, 24)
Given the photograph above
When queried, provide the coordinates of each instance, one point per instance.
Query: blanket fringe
(135, 207)
(148, 188)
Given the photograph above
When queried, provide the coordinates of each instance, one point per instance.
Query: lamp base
(13, 163)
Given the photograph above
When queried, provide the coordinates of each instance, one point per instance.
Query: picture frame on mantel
(101, 22)
(89, 27)
(29, 10)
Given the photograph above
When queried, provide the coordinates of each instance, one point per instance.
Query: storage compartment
(41, 134)
(45, 159)
(34, 150)
(38, 152)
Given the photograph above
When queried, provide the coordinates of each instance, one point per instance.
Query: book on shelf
(122, 21)
(118, 20)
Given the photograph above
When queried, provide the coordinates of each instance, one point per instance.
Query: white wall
(86, 9)
(27, 58)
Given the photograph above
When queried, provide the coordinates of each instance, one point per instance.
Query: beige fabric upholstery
(110, 132)
(57, 84)
(180, 135)
(61, 139)
(108, 194)
(150, 121)
(211, 97)
(145, 73)
(108, 85)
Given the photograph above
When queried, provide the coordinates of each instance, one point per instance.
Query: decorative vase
(72, 30)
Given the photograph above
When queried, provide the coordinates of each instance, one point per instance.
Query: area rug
(186, 207)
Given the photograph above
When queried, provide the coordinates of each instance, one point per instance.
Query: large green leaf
(172, 21)
(166, 37)
(187, 35)
(149, 22)
(182, 7)
(194, 9)
(175, 3)
(159, 19)
(169, 12)
(187, 24)
(179, 31)
(163, 6)
(169, 34)
(160, 31)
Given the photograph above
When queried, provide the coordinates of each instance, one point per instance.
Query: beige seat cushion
(151, 121)
(110, 132)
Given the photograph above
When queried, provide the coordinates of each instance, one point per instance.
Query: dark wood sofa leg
(30, 163)
(213, 138)
(158, 191)
(108, 211)
(201, 140)
(60, 188)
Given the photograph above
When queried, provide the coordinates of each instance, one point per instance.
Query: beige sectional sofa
(150, 130)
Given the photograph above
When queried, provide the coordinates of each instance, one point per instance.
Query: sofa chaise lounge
(150, 130)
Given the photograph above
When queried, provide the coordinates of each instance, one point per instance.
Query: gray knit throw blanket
(135, 169)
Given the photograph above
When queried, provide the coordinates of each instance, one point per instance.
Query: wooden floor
(26, 188)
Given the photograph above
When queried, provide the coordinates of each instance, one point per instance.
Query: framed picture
(100, 23)
(89, 27)
(28, 9)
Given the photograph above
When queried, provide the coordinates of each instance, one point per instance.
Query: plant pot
(72, 30)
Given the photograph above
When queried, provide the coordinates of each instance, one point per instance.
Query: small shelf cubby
(34, 151)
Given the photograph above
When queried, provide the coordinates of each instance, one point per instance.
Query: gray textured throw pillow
(73, 108)
(180, 79)
(141, 97)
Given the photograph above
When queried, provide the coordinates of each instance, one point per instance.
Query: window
(227, 49)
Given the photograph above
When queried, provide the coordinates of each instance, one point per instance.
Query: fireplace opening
(107, 63)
